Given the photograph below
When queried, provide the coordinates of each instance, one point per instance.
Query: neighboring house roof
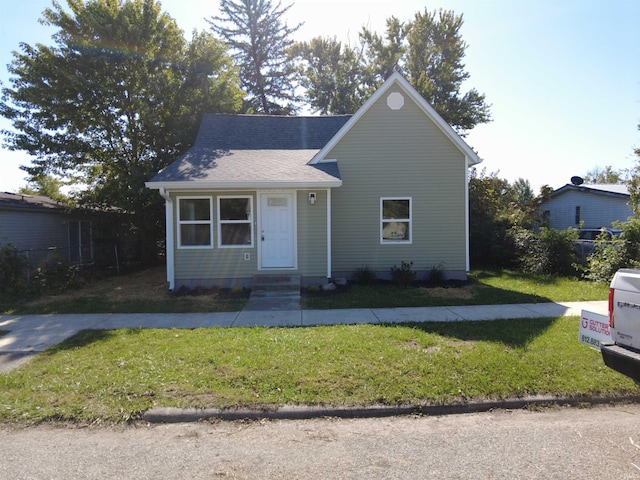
(471, 156)
(234, 151)
(31, 202)
(604, 189)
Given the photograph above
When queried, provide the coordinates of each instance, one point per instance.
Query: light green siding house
(319, 197)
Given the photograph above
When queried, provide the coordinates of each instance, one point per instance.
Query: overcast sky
(562, 76)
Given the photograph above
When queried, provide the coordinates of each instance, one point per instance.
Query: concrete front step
(276, 286)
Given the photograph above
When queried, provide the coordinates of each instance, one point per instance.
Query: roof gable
(243, 150)
(397, 79)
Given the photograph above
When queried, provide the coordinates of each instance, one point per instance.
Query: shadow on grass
(92, 304)
(514, 333)
(87, 337)
(393, 296)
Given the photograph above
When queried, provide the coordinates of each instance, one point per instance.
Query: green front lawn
(484, 288)
(115, 375)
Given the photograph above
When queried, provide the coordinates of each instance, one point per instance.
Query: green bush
(547, 252)
(436, 274)
(17, 277)
(404, 275)
(58, 277)
(12, 269)
(611, 255)
(364, 276)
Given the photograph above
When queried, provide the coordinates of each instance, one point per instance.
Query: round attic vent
(395, 101)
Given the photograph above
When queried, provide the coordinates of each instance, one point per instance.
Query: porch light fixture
(312, 198)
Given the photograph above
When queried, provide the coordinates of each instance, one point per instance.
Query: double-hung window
(395, 220)
(235, 222)
(195, 222)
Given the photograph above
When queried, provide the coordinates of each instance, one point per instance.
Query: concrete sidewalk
(29, 334)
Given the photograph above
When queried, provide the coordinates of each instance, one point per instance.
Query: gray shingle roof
(606, 189)
(18, 200)
(267, 132)
(239, 167)
(256, 148)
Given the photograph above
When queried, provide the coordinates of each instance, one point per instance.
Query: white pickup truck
(623, 355)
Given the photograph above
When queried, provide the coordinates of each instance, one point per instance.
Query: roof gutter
(241, 185)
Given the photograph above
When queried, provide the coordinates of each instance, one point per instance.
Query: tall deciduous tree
(488, 240)
(257, 33)
(434, 67)
(331, 75)
(46, 186)
(634, 185)
(428, 50)
(385, 54)
(606, 175)
(114, 101)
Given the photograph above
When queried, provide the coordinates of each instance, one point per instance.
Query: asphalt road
(558, 443)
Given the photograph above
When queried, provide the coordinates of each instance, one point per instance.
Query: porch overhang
(195, 186)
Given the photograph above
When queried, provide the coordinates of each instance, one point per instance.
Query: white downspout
(169, 238)
(328, 233)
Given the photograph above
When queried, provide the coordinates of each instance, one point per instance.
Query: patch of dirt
(450, 342)
(415, 345)
(150, 284)
(464, 293)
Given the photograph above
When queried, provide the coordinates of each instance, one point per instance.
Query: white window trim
(249, 221)
(181, 222)
(407, 220)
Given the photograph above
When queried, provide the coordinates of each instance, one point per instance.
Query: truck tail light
(611, 320)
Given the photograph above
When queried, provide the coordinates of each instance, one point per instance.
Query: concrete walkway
(30, 334)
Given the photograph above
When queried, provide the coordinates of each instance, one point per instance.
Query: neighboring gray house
(44, 230)
(586, 206)
(319, 197)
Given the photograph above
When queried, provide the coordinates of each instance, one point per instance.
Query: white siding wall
(44, 233)
(596, 210)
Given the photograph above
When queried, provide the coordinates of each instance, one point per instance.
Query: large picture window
(235, 222)
(395, 220)
(195, 224)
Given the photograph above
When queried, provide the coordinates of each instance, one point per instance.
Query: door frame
(294, 226)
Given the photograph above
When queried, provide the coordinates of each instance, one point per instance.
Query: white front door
(277, 230)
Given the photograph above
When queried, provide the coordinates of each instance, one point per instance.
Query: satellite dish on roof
(577, 180)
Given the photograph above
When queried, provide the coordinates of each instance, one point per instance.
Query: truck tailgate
(626, 303)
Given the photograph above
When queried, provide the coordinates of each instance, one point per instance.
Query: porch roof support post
(169, 238)
(328, 233)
